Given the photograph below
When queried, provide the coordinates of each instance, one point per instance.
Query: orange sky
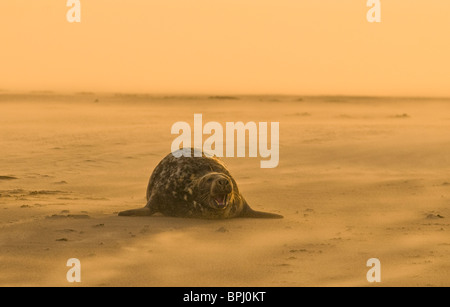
(324, 47)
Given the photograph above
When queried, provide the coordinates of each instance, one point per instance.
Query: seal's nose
(224, 185)
(223, 182)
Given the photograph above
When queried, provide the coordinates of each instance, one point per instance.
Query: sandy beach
(358, 178)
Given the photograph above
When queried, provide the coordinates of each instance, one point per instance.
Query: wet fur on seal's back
(177, 187)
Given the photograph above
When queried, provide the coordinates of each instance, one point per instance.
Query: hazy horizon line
(208, 95)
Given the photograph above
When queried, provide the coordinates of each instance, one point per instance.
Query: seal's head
(215, 190)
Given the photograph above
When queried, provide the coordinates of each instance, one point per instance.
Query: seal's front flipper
(261, 215)
(249, 212)
(137, 212)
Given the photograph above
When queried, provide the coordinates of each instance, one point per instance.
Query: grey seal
(185, 185)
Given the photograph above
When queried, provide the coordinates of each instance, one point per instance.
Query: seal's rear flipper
(249, 212)
(137, 212)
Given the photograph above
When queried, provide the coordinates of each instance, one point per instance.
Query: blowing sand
(358, 178)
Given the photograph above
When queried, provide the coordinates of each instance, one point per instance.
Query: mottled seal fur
(195, 187)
